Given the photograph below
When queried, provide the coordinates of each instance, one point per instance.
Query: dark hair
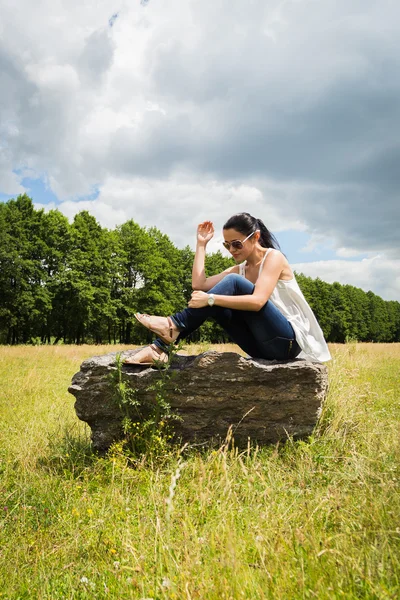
(247, 224)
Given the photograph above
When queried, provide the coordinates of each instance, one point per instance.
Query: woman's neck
(255, 258)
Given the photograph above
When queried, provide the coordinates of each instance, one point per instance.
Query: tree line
(81, 283)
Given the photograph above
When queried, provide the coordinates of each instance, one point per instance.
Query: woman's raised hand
(205, 232)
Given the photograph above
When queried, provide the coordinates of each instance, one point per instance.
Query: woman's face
(247, 243)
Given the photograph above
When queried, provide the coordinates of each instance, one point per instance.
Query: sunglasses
(237, 244)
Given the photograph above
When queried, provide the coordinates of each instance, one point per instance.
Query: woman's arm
(205, 232)
(264, 287)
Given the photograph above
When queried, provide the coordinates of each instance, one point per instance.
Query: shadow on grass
(69, 452)
(70, 455)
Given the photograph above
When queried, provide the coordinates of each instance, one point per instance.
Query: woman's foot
(163, 327)
(149, 355)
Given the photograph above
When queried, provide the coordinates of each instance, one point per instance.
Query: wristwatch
(211, 299)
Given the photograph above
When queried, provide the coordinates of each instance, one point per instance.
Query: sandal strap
(171, 327)
(160, 352)
(148, 326)
(157, 349)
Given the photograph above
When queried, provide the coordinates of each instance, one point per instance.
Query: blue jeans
(261, 334)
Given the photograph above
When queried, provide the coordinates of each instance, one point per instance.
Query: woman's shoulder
(274, 254)
(279, 258)
(274, 251)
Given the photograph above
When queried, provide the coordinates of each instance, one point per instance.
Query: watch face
(211, 300)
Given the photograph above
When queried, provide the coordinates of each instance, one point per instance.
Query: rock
(263, 400)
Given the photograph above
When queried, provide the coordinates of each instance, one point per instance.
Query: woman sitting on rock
(258, 301)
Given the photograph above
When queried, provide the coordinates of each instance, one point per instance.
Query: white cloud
(348, 252)
(177, 205)
(188, 110)
(378, 274)
(9, 180)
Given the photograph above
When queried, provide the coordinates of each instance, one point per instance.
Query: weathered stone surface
(265, 401)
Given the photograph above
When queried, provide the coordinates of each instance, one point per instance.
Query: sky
(174, 112)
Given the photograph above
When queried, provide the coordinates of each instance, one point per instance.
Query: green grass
(312, 519)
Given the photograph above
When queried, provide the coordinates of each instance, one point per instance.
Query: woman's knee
(235, 282)
(232, 277)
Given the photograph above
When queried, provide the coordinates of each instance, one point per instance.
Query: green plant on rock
(147, 426)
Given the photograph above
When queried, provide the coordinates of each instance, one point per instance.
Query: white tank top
(290, 301)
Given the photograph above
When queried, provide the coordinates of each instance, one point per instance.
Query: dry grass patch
(312, 519)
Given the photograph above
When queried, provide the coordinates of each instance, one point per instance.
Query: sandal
(163, 358)
(144, 320)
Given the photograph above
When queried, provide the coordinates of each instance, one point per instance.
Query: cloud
(378, 274)
(9, 180)
(176, 205)
(96, 57)
(347, 252)
(177, 109)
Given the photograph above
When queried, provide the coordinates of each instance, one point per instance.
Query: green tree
(55, 234)
(393, 309)
(82, 283)
(26, 300)
(379, 324)
(138, 262)
(359, 313)
(186, 259)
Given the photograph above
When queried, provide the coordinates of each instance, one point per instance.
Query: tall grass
(313, 519)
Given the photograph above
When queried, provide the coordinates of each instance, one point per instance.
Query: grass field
(313, 519)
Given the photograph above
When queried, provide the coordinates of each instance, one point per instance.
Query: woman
(258, 301)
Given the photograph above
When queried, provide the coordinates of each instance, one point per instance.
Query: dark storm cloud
(318, 104)
(13, 84)
(299, 99)
(97, 56)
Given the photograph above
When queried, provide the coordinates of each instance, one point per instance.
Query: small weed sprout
(146, 426)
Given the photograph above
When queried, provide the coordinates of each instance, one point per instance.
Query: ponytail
(247, 224)
(267, 239)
